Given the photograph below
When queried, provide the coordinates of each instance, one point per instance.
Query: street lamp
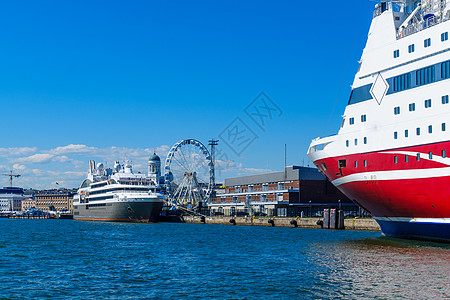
(310, 209)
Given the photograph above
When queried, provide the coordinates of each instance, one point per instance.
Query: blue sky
(103, 80)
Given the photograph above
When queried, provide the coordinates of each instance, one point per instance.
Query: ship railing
(422, 25)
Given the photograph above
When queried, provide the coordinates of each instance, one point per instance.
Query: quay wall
(349, 224)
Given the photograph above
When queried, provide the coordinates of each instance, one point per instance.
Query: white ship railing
(422, 25)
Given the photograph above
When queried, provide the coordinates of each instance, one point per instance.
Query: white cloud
(72, 149)
(36, 158)
(19, 167)
(17, 151)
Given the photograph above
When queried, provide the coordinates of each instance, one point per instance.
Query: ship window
(397, 110)
(347, 143)
(430, 155)
(411, 48)
(430, 129)
(395, 135)
(428, 103)
(324, 167)
(444, 36)
(356, 163)
(356, 142)
(402, 82)
(365, 163)
(443, 154)
(418, 131)
(406, 132)
(342, 163)
(412, 107)
(395, 159)
(425, 75)
(445, 99)
(445, 69)
(365, 140)
(352, 121)
(406, 158)
(418, 157)
(363, 118)
(396, 53)
(427, 43)
(443, 126)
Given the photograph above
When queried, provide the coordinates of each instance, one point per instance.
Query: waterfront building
(296, 191)
(11, 199)
(54, 200)
(28, 203)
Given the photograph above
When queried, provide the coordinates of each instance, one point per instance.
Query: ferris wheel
(189, 173)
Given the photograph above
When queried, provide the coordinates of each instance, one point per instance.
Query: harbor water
(87, 260)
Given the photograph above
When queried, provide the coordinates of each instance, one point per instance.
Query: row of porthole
(342, 163)
(427, 103)
(426, 44)
(430, 130)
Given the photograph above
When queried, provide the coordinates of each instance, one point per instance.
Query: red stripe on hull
(416, 198)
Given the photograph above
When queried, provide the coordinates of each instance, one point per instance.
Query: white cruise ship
(390, 154)
(119, 194)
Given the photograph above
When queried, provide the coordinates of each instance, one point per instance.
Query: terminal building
(298, 191)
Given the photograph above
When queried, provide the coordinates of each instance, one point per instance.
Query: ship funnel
(91, 166)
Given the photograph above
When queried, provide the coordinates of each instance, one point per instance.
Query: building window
(430, 129)
(425, 76)
(363, 118)
(396, 53)
(443, 154)
(427, 43)
(395, 135)
(417, 131)
(402, 82)
(250, 188)
(406, 158)
(411, 48)
(365, 140)
(445, 69)
(397, 110)
(444, 36)
(406, 132)
(412, 107)
(428, 103)
(347, 143)
(418, 157)
(395, 159)
(356, 142)
(443, 126)
(352, 121)
(445, 99)
(365, 163)
(265, 187)
(281, 184)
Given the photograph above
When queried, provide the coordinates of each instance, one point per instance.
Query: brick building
(298, 191)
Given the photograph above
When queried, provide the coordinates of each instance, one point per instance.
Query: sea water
(91, 260)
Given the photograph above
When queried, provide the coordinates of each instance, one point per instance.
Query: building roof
(154, 157)
(290, 173)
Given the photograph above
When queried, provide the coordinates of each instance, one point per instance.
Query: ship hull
(142, 211)
(408, 197)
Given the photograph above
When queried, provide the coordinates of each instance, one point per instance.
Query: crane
(11, 175)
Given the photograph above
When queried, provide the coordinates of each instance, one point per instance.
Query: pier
(349, 224)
